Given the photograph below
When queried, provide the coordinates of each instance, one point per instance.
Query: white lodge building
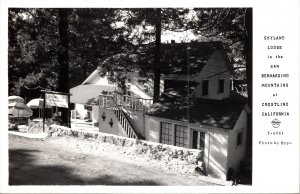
(197, 109)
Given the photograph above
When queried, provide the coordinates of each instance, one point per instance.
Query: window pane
(221, 85)
(205, 86)
(239, 138)
(181, 136)
(185, 141)
(166, 133)
(185, 135)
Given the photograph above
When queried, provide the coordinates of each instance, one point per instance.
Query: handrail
(137, 97)
(131, 132)
(134, 103)
(123, 114)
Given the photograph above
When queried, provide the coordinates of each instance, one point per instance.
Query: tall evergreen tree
(117, 40)
(63, 58)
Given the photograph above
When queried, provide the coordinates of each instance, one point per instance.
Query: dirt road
(60, 161)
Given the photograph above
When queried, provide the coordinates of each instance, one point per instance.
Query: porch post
(75, 117)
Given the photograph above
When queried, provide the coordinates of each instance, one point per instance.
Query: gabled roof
(92, 76)
(215, 113)
(176, 58)
(187, 58)
(87, 94)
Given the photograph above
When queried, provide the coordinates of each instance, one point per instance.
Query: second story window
(221, 86)
(239, 138)
(205, 86)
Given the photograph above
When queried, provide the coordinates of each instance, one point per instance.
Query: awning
(88, 94)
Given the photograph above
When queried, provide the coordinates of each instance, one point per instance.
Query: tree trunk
(248, 49)
(63, 59)
(249, 63)
(156, 65)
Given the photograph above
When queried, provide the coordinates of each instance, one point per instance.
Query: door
(198, 140)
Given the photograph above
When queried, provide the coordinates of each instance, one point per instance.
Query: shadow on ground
(24, 171)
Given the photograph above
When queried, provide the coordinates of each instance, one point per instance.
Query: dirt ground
(63, 161)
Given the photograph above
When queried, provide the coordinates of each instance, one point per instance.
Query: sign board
(58, 100)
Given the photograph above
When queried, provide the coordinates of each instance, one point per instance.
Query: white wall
(215, 65)
(152, 128)
(105, 127)
(217, 153)
(237, 153)
(216, 142)
(95, 113)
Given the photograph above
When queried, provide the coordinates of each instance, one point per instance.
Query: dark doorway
(198, 140)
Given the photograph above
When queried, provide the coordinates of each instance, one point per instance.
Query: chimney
(172, 41)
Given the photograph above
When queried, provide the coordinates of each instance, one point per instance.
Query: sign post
(58, 99)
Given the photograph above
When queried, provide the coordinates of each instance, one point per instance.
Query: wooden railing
(110, 103)
(132, 103)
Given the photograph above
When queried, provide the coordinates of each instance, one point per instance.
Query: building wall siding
(105, 127)
(215, 65)
(237, 153)
(216, 143)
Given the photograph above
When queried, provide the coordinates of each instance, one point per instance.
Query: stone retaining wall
(171, 157)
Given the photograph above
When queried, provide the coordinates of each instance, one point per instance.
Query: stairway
(127, 127)
(113, 102)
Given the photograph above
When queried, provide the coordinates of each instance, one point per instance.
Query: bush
(13, 126)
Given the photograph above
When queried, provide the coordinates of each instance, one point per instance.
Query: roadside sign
(58, 100)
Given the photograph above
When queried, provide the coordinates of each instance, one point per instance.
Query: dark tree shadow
(24, 171)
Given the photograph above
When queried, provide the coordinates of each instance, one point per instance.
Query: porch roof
(87, 94)
(215, 113)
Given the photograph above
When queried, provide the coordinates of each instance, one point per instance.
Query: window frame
(182, 136)
(239, 138)
(223, 91)
(201, 139)
(169, 134)
(202, 88)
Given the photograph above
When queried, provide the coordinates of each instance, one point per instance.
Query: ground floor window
(181, 139)
(166, 133)
(177, 135)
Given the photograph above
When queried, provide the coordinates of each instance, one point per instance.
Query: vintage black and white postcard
(127, 96)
